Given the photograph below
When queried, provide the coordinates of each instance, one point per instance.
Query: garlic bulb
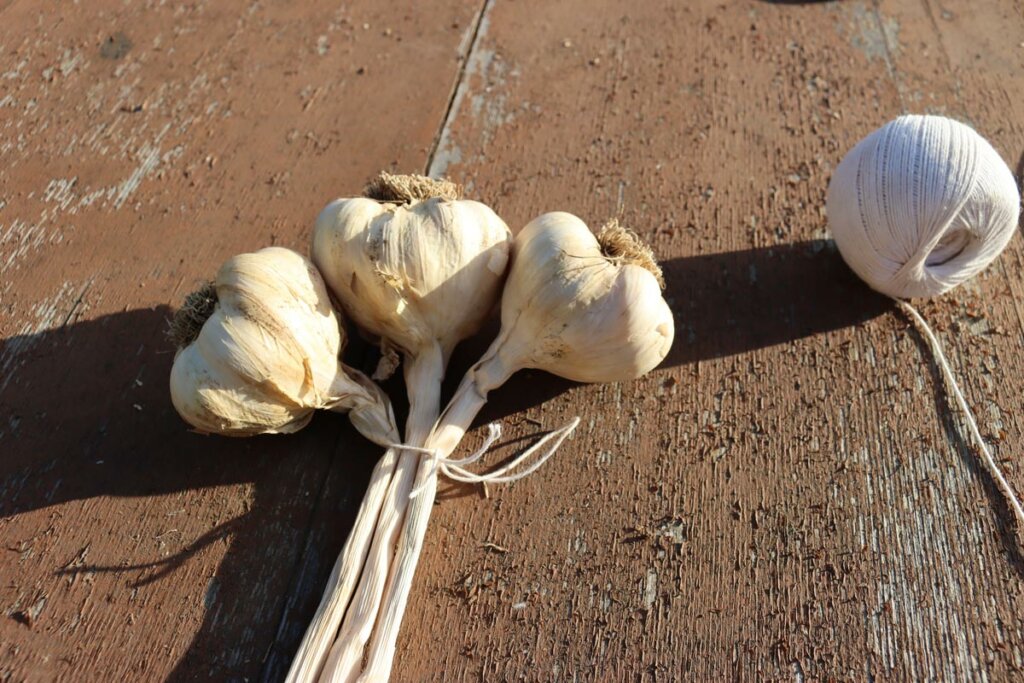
(420, 268)
(415, 266)
(259, 352)
(582, 307)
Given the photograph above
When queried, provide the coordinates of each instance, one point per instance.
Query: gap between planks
(459, 88)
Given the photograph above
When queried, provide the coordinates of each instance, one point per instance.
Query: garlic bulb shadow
(724, 304)
(740, 301)
(85, 413)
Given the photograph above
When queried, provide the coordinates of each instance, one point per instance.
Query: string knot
(455, 468)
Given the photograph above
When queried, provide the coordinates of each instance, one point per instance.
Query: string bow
(455, 468)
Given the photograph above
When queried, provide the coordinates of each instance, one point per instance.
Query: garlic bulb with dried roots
(258, 352)
(416, 266)
(582, 307)
(411, 263)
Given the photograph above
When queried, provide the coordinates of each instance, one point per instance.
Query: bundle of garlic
(258, 352)
(421, 269)
(584, 308)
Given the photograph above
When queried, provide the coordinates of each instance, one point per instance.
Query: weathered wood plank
(789, 496)
(141, 145)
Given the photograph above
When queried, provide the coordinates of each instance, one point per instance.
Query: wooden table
(788, 497)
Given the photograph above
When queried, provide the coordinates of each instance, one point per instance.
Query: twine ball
(921, 205)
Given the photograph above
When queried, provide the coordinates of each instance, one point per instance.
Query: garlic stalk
(421, 269)
(258, 352)
(584, 308)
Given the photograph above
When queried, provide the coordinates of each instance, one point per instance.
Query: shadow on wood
(745, 300)
(88, 414)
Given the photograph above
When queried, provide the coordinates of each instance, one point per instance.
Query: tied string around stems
(454, 468)
(972, 424)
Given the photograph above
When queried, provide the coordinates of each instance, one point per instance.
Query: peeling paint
(46, 314)
(489, 106)
(486, 75)
(871, 33)
(448, 153)
(149, 158)
(650, 588)
(20, 236)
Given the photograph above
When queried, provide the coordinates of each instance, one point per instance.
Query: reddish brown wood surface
(789, 497)
(142, 145)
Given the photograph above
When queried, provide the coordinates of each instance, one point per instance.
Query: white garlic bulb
(921, 205)
(259, 352)
(582, 307)
(412, 268)
(421, 269)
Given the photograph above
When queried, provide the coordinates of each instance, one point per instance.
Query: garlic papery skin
(413, 273)
(422, 269)
(584, 307)
(266, 354)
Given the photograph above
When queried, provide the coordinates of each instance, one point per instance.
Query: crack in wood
(459, 88)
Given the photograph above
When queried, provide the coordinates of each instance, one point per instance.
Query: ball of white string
(921, 205)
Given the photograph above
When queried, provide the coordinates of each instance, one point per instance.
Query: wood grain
(142, 144)
(789, 497)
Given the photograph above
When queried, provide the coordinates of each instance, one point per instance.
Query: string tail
(947, 373)
(454, 468)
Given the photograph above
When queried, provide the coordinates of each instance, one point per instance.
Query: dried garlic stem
(464, 407)
(423, 379)
(321, 633)
(403, 570)
(345, 658)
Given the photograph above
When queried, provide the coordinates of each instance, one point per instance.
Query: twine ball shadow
(921, 205)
